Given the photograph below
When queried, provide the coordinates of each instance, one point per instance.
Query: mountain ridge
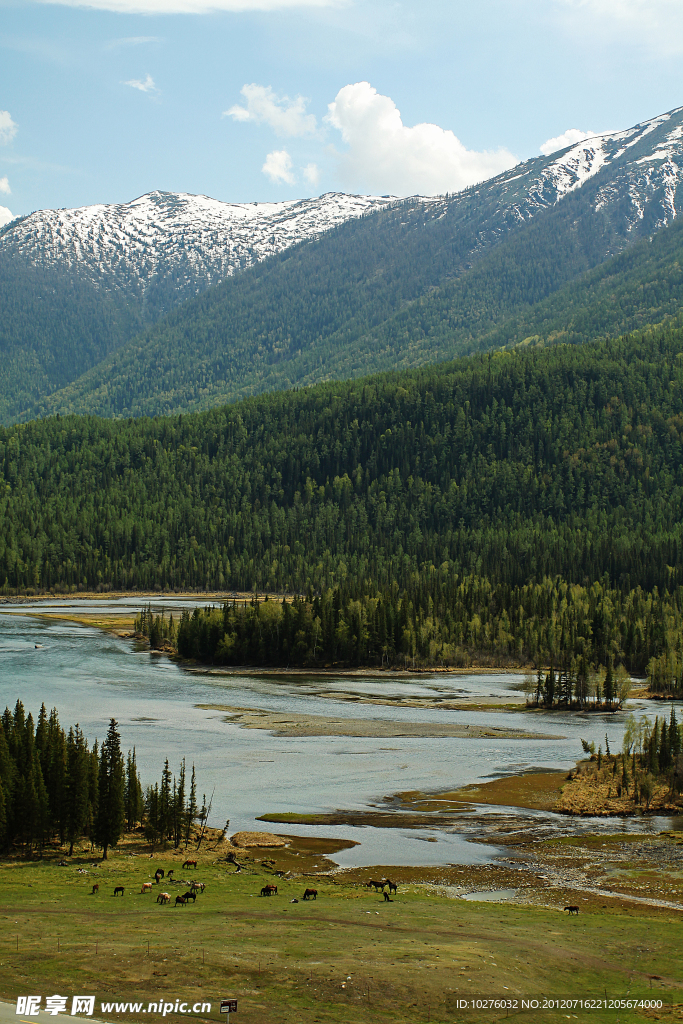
(375, 271)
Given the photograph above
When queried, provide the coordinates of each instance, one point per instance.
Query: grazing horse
(391, 885)
(158, 874)
(311, 893)
(572, 910)
(386, 896)
(163, 897)
(372, 883)
(197, 886)
(146, 887)
(180, 900)
(190, 896)
(272, 889)
(118, 889)
(95, 888)
(190, 864)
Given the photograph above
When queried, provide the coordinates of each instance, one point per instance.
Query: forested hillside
(384, 294)
(492, 474)
(53, 326)
(420, 280)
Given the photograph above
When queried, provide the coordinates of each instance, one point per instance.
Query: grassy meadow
(348, 956)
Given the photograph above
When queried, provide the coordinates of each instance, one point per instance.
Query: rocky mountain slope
(374, 293)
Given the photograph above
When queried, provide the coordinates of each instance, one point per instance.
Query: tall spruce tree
(111, 811)
(77, 786)
(134, 800)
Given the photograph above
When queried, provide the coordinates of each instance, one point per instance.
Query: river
(91, 676)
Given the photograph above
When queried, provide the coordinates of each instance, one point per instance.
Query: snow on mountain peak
(163, 232)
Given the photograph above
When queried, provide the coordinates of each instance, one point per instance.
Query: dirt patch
(248, 839)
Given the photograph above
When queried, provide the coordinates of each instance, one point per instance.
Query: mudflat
(290, 724)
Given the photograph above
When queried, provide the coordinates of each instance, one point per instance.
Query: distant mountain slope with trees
(341, 307)
(420, 280)
(496, 484)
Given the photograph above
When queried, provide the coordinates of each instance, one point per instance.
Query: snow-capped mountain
(647, 166)
(635, 177)
(196, 239)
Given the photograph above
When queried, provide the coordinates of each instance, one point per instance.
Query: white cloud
(4, 186)
(188, 6)
(287, 118)
(5, 216)
(278, 167)
(568, 138)
(146, 86)
(312, 174)
(8, 129)
(386, 156)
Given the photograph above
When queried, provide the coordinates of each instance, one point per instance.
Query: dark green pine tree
(77, 787)
(608, 686)
(165, 822)
(179, 809)
(135, 805)
(111, 811)
(191, 808)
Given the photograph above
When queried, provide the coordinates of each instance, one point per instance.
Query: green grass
(286, 962)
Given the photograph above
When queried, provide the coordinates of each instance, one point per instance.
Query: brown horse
(572, 910)
(180, 900)
(311, 894)
(390, 885)
(95, 888)
(118, 889)
(190, 864)
(377, 885)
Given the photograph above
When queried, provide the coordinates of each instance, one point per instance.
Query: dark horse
(118, 889)
(311, 893)
(190, 896)
(572, 910)
(391, 885)
(180, 900)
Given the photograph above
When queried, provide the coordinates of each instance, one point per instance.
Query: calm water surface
(91, 676)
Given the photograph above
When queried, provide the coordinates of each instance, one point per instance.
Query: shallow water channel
(91, 676)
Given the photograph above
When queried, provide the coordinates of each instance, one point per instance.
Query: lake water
(91, 676)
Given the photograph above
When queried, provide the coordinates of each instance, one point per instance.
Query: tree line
(651, 756)
(54, 786)
(495, 474)
(514, 467)
(447, 621)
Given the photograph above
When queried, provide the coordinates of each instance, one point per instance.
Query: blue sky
(268, 99)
